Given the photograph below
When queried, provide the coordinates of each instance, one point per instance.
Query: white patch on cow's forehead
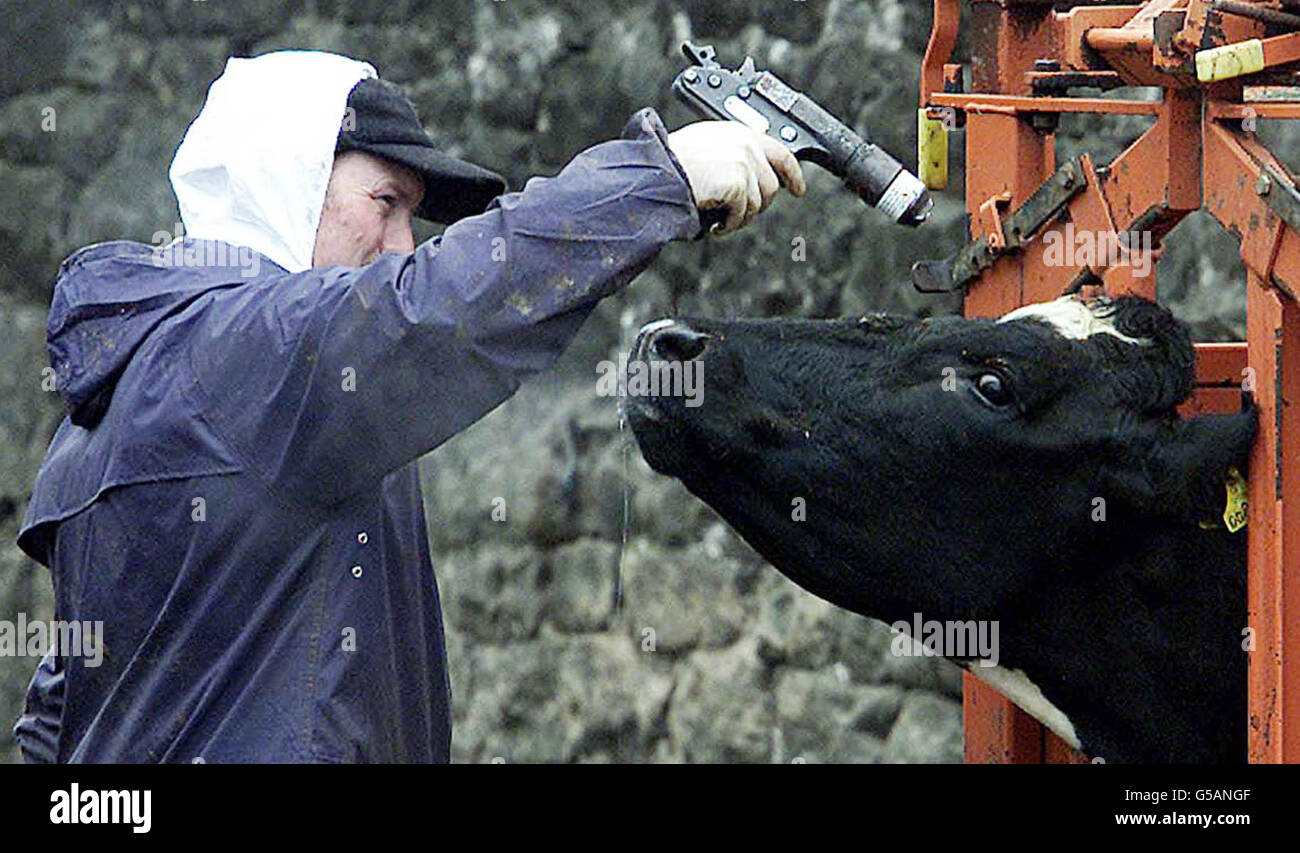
(655, 325)
(1016, 686)
(1075, 319)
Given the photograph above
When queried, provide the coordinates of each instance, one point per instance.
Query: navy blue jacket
(234, 492)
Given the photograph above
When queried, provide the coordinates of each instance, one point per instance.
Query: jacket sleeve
(37, 729)
(326, 380)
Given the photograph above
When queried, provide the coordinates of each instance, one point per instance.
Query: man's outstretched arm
(326, 380)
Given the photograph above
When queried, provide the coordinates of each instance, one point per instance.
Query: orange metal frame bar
(1193, 157)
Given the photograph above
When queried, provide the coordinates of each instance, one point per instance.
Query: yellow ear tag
(1234, 514)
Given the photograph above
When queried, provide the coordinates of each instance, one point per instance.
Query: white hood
(253, 167)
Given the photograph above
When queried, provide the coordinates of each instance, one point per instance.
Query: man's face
(368, 209)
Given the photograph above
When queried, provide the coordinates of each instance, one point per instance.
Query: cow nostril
(678, 343)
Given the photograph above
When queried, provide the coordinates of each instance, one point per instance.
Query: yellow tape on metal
(931, 151)
(1230, 60)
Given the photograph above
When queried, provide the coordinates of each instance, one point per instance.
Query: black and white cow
(1030, 470)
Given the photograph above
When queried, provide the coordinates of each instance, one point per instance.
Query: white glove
(733, 166)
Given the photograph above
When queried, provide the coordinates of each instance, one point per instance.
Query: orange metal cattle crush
(1219, 72)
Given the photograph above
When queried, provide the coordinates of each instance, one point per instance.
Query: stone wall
(712, 655)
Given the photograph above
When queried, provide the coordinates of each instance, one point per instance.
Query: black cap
(382, 121)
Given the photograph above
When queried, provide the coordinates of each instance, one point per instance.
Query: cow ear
(1179, 470)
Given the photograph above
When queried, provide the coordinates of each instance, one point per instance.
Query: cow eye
(995, 390)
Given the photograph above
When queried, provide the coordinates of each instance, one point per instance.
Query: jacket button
(362, 537)
(356, 571)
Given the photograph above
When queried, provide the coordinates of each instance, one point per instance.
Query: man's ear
(1179, 470)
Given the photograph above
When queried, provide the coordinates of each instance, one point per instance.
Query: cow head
(959, 468)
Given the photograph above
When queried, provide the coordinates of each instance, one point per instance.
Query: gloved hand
(735, 167)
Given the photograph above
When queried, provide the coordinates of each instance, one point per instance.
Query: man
(234, 491)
